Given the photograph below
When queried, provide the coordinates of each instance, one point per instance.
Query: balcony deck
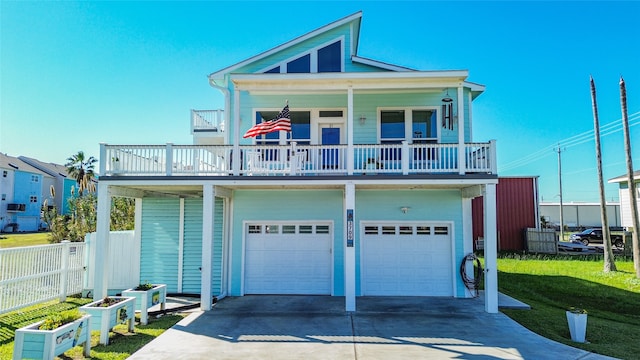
(297, 160)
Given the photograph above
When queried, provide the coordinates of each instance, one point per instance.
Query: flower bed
(109, 312)
(146, 298)
(33, 343)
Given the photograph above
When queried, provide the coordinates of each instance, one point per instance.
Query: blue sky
(74, 74)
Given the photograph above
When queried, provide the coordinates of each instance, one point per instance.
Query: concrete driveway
(317, 327)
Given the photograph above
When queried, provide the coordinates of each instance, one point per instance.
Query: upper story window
(34, 178)
(421, 123)
(300, 128)
(392, 129)
(4, 173)
(328, 57)
(300, 65)
(424, 126)
(33, 199)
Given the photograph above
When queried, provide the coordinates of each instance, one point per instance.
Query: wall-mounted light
(362, 119)
(405, 209)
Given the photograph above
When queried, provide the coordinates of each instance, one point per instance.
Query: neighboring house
(368, 195)
(23, 188)
(517, 210)
(579, 215)
(625, 198)
(61, 181)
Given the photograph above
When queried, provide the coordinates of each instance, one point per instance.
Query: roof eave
(379, 64)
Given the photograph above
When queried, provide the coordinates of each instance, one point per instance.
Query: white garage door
(407, 260)
(288, 259)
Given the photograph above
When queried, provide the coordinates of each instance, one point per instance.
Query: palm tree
(633, 202)
(609, 264)
(81, 169)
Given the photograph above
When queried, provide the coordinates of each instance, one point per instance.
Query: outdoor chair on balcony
(255, 164)
(298, 162)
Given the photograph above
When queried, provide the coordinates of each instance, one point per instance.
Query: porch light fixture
(362, 119)
(405, 209)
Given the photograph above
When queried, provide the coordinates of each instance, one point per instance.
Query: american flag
(282, 122)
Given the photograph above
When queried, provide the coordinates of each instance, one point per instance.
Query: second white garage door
(288, 259)
(407, 260)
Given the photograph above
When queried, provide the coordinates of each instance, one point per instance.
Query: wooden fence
(31, 275)
(541, 241)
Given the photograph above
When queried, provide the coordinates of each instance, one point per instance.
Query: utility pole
(559, 151)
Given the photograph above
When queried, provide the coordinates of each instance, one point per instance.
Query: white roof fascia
(625, 178)
(474, 87)
(333, 25)
(459, 75)
(379, 64)
(340, 81)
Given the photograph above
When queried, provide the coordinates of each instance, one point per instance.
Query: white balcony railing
(207, 120)
(274, 160)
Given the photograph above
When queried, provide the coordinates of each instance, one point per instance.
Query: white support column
(207, 246)
(236, 133)
(467, 236)
(490, 250)
(350, 130)
(350, 249)
(103, 156)
(461, 157)
(103, 222)
(180, 245)
(137, 234)
(405, 157)
(169, 159)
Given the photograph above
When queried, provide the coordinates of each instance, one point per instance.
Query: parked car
(594, 235)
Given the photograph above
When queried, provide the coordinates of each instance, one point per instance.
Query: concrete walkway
(317, 327)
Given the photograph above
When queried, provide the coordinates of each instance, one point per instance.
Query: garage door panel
(412, 259)
(292, 263)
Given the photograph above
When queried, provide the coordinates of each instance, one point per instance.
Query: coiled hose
(471, 283)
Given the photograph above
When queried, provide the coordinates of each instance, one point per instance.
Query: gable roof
(14, 163)
(52, 169)
(356, 17)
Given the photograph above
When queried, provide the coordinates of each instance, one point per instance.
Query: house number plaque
(349, 227)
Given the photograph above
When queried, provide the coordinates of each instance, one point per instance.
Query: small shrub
(108, 301)
(144, 286)
(56, 320)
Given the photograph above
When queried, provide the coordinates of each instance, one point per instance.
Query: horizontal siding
(192, 248)
(159, 248)
(216, 286)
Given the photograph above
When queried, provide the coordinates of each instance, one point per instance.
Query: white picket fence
(31, 275)
(35, 274)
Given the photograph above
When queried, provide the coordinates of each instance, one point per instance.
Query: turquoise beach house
(368, 194)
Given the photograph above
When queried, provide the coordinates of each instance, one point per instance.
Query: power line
(608, 129)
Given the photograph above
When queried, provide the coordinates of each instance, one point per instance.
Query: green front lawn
(12, 240)
(121, 344)
(553, 284)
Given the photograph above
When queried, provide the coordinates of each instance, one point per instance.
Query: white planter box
(105, 318)
(577, 326)
(31, 343)
(148, 298)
